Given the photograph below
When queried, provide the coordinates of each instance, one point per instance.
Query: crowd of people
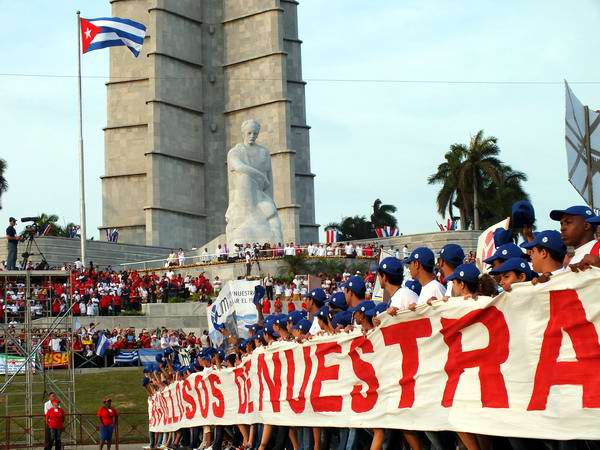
(419, 278)
(97, 292)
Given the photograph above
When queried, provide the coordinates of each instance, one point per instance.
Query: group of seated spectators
(96, 292)
(420, 278)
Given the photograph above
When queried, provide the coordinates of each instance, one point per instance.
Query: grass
(124, 386)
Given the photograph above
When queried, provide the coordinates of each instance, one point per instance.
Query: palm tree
(3, 182)
(480, 162)
(500, 197)
(448, 175)
(382, 215)
(353, 228)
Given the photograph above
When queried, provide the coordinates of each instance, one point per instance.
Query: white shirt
(405, 252)
(315, 328)
(47, 406)
(580, 252)
(403, 297)
(449, 288)
(432, 289)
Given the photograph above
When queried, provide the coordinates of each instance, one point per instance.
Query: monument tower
(207, 66)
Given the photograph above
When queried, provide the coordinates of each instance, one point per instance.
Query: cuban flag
(127, 357)
(110, 32)
(387, 231)
(46, 230)
(331, 236)
(103, 345)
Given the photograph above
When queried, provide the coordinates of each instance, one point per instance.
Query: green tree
(353, 228)
(383, 215)
(477, 182)
(448, 175)
(3, 182)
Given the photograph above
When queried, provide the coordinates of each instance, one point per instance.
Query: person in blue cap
(390, 273)
(547, 252)
(280, 326)
(358, 312)
(301, 329)
(315, 299)
(354, 290)
(505, 252)
(337, 302)
(469, 282)
(511, 271)
(324, 318)
(451, 256)
(420, 264)
(341, 320)
(576, 231)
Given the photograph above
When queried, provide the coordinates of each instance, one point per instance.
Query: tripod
(43, 264)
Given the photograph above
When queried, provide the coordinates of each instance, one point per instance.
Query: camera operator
(11, 244)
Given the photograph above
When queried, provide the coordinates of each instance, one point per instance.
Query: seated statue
(252, 215)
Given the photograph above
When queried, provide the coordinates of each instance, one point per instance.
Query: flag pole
(588, 150)
(81, 164)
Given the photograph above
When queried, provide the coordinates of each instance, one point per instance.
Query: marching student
(420, 264)
(390, 273)
(354, 290)
(505, 252)
(576, 231)
(547, 251)
(513, 270)
(470, 283)
(315, 299)
(451, 256)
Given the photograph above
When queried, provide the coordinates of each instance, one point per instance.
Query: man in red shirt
(108, 416)
(55, 419)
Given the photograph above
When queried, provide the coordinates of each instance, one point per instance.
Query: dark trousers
(269, 290)
(248, 269)
(11, 257)
(54, 438)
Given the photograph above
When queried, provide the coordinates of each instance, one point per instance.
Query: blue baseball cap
(259, 293)
(260, 334)
(549, 239)
(296, 316)
(518, 265)
(583, 211)
(363, 306)
(452, 254)
(414, 286)
(391, 266)
(423, 255)
(221, 355)
(318, 296)
(304, 325)
(465, 272)
(522, 214)
(505, 252)
(269, 330)
(338, 300)
(379, 308)
(594, 220)
(281, 320)
(323, 313)
(356, 284)
(502, 236)
(343, 318)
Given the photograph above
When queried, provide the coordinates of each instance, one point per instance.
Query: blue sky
(368, 139)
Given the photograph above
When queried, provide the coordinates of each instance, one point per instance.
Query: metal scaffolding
(29, 373)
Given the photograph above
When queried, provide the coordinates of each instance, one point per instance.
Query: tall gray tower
(206, 66)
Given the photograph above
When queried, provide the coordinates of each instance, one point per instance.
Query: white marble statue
(252, 215)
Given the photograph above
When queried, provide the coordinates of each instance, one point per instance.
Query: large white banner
(525, 363)
(233, 308)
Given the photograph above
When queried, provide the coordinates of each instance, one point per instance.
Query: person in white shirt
(78, 264)
(181, 257)
(205, 256)
(349, 250)
(576, 231)
(547, 251)
(314, 301)
(322, 251)
(451, 256)
(359, 250)
(405, 251)
(391, 275)
(420, 264)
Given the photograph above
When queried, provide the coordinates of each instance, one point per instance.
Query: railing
(21, 432)
(211, 259)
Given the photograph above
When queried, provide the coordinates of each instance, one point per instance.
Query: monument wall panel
(236, 8)
(177, 132)
(127, 104)
(290, 18)
(123, 200)
(295, 92)
(299, 141)
(294, 60)
(174, 230)
(186, 8)
(178, 83)
(254, 82)
(240, 36)
(186, 44)
(125, 148)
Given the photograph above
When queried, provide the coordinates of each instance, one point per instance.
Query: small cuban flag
(112, 31)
